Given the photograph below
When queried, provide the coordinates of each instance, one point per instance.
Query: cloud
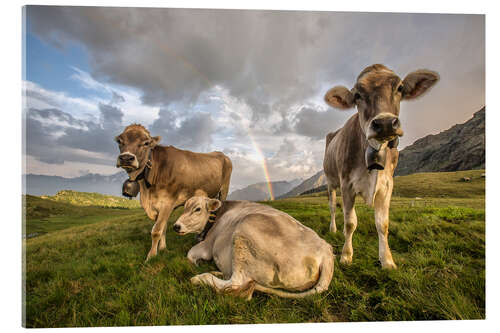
(39, 98)
(192, 132)
(271, 60)
(54, 136)
(211, 79)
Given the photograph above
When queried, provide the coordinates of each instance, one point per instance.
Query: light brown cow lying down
(256, 247)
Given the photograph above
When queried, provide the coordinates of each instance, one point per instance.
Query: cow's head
(377, 94)
(134, 143)
(195, 216)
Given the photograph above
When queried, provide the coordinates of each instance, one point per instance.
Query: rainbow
(264, 165)
(209, 83)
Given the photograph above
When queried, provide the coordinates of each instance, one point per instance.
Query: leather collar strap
(210, 223)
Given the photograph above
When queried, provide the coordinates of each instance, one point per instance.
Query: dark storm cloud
(193, 132)
(96, 137)
(311, 123)
(174, 55)
(270, 59)
(279, 63)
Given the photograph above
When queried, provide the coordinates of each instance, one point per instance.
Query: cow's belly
(297, 275)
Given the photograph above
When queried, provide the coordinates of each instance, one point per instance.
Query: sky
(248, 83)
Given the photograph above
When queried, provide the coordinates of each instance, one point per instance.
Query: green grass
(95, 275)
(46, 215)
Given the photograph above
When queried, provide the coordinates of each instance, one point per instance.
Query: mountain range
(260, 191)
(461, 147)
(92, 182)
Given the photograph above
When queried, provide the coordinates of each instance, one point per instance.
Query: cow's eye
(197, 210)
(400, 89)
(119, 141)
(146, 143)
(357, 96)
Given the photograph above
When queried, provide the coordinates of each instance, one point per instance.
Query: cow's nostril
(376, 125)
(177, 227)
(126, 158)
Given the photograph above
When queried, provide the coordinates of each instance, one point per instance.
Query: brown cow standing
(360, 158)
(168, 176)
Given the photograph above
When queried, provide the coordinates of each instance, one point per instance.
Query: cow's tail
(326, 274)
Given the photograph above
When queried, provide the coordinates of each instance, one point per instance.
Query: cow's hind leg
(350, 224)
(237, 285)
(332, 200)
(382, 203)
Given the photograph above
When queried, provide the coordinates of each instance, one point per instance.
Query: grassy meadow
(85, 266)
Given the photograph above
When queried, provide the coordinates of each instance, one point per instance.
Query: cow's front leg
(382, 204)
(163, 242)
(159, 227)
(237, 285)
(350, 224)
(199, 252)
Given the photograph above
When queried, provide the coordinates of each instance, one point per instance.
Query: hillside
(95, 275)
(260, 191)
(43, 215)
(462, 147)
(92, 199)
(431, 185)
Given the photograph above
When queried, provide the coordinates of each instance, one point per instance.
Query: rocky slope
(314, 181)
(462, 147)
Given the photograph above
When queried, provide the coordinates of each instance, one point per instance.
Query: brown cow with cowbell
(361, 157)
(166, 177)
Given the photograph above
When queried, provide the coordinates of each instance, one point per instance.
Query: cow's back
(179, 170)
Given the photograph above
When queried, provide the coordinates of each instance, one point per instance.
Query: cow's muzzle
(178, 229)
(127, 161)
(384, 128)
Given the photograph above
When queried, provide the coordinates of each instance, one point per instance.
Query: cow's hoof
(389, 265)
(200, 278)
(345, 260)
(150, 256)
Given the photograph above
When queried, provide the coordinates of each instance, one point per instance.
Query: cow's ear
(155, 140)
(213, 205)
(418, 82)
(340, 97)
